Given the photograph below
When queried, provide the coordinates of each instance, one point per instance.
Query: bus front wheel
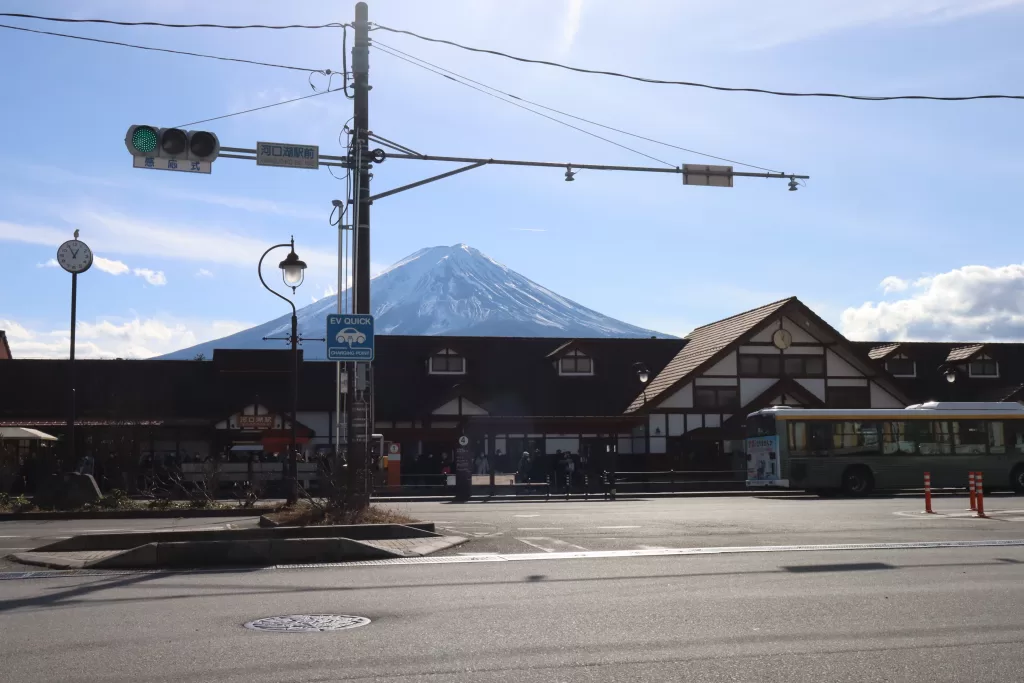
(857, 481)
(1017, 479)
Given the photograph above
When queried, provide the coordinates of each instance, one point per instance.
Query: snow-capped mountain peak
(456, 290)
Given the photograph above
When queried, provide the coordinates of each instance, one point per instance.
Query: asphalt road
(559, 526)
(936, 615)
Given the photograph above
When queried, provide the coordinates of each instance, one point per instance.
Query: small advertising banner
(763, 466)
(463, 473)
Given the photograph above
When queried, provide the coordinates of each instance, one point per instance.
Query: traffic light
(172, 143)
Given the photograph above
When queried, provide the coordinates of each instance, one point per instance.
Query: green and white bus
(857, 451)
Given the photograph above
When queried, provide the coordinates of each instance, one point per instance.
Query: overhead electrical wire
(377, 43)
(265, 106)
(326, 72)
(692, 84)
(161, 24)
(521, 106)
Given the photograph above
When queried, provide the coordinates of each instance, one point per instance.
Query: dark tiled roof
(963, 352)
(880, 352)
(703, 345)
(5, 348)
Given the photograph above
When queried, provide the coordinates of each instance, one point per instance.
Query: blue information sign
(350, 337)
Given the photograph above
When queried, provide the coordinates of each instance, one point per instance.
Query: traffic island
(240, 547)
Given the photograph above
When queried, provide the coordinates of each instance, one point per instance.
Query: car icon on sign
(350, 336)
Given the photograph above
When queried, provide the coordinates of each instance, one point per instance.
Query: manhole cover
(307, 623)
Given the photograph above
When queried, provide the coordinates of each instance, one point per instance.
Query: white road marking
(526, 515)
(617, 527)
(549, 545)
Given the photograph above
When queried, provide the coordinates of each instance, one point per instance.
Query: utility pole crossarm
(431, 179)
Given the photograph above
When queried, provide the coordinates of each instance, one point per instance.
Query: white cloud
(893, 284)
(203, 272)
(52, 263)
(117, 338)
(153, 277)
(972, 303)
(115, 233)
(741, 24)
(571, 25)
(110, 266)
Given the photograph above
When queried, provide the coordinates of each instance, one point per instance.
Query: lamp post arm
(259, 271)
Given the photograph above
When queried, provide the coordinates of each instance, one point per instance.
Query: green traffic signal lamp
(144, 139)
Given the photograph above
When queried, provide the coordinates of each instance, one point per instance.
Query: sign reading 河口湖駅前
(287, 155)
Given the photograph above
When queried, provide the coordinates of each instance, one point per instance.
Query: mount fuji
(454, 290)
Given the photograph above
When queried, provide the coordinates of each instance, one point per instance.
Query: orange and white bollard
(979, 493)
(970, 488)
(928, 493)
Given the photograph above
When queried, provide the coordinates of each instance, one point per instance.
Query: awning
(248, 447)
(25, 433)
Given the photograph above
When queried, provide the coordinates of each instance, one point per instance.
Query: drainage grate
(307, 623)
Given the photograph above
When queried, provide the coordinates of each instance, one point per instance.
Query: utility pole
(357, 444)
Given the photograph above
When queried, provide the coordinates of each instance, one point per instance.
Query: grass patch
(304, 514)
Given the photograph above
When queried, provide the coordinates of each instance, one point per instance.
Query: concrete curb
(241, 553)
(127, 541)
(181, 513)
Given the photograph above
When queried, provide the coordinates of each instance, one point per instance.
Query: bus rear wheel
(1017, 479)
(857, 481)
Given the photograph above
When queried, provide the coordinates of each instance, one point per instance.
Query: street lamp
(642, 374)
(293, 273)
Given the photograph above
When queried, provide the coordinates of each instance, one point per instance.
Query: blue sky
(908, 227)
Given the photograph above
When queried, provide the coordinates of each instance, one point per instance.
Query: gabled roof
(5, 348)
(704, 345)
(880, 352)
(960, 353)
(571, 345)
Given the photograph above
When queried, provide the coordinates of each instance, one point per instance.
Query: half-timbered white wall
(681, 416)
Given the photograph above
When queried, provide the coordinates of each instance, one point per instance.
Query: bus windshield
(760, 425)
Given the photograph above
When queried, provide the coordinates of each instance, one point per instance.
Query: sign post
(463, 471)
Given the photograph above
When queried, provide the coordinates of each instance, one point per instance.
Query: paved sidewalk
(418, 547)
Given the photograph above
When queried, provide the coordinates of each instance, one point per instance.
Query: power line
(67, 20)
(161, 49)
(266, 106)
(642, 79)
(516, 104)
(377, 43)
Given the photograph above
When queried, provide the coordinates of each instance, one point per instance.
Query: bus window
(895, 440)
(996, 440)
(819, 435)
(797, 438)
(760, 425)
(970, 437)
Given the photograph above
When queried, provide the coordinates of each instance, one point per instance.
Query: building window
(575, 363)
(760, 366)
(901, 366)
(849, 397)
(726, 398)
(983, 366)
(447, 362)
(804, 366)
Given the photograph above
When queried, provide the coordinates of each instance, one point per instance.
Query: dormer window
(447, 362)
(983, 366)
(901, 366)
(575, 363)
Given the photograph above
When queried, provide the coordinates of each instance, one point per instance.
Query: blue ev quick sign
(350, 337)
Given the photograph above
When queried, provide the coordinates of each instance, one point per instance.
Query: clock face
(74, 256)
(782, 339)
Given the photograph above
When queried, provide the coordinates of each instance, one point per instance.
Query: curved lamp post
(292, 272)
(642, 374)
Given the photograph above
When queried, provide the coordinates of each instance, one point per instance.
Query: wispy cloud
(203, 272)
(571, 23)
(52, 263)
(530, 229)
(117, 337)
(153, 277)
(110, 266)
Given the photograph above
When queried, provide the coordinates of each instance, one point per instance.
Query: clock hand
(74, 253)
